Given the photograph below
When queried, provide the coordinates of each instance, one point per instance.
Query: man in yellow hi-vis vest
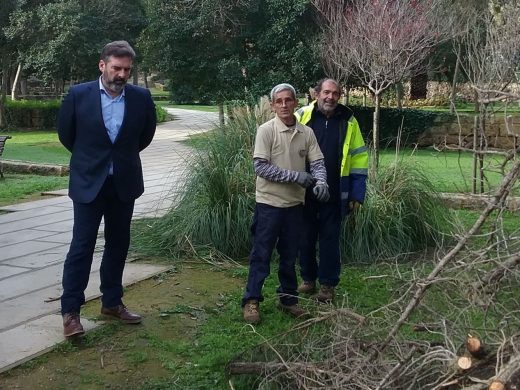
(346, 161)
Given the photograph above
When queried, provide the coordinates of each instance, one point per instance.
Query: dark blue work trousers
(281, 227)
(322, 227)
(76, 270)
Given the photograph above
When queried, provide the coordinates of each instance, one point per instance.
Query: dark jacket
(82, 131)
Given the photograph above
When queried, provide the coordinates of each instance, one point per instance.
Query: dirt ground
(117, 356)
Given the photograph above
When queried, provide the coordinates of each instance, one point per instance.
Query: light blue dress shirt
(113, 110)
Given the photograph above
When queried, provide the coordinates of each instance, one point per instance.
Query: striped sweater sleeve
(276, 174)
(273, 173)
(318, 171)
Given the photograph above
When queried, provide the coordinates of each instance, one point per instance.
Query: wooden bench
(3, 140)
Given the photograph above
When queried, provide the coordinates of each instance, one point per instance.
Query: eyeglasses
(281, 102)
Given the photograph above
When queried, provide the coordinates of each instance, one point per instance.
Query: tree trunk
(364, 97)
(475, 154)
(419, 86)
(135, 75)
(23, 86)
(3, 123)
(220, 105)
(375, 135)
(399, 92)
(482, 134)
(3, 88)
(15, 82)
(145, 74)
(454, 83)
(229, 111)
(346, 97)
(10, 80)
(57, 87)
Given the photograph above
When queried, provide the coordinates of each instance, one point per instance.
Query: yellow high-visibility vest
(354, 157)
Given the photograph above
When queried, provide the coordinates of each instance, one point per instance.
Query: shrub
(413, 121)
(43, 114)
(402, 214)
(162, 115)
(215, 209)
(32, 113)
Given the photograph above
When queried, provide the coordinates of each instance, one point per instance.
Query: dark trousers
(76, 270)
(281, 227)
(322, 226)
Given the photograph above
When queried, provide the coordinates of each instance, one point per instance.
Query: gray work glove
(321, 191)
(304, 179)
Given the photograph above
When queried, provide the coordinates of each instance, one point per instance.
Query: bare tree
(381, 42)
(490, 58)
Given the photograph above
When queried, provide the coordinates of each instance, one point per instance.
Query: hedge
(33, 114)
(38, 114)
(43, 114)
(413, 121)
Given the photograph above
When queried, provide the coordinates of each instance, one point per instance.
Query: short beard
(112, 85)
(324, 110)
(116, 87)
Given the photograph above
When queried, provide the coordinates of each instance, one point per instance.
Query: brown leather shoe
(307, 287)
(325, 294)
(294, 310)
(122, 313)
(251, 312)
(72, 325)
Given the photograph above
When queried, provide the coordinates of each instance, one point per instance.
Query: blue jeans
(281, 227)
(76, 270)
(322, 226)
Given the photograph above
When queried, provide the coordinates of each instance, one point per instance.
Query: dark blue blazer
(82, 131)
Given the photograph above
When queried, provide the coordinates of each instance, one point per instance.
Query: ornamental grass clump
(402, 214)
(214, 210)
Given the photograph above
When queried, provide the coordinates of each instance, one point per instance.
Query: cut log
(496, 385)
(464, 362)
(508, 374)
(475, 347)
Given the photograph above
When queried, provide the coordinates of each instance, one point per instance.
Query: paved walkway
(35, 236)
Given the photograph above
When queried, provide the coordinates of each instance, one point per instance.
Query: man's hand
(304, 179)
(354, 206)
(321, 191)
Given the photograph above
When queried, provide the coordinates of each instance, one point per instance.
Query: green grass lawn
(197, 107)
(450, 171)
(36, 146)
(16, 188)
(158, 92)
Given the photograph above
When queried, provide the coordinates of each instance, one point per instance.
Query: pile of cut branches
(454, 323)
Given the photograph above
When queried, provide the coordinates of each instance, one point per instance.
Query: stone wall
(12, 166)
(500, 134)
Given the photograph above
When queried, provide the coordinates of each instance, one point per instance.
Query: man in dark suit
(104, 124)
